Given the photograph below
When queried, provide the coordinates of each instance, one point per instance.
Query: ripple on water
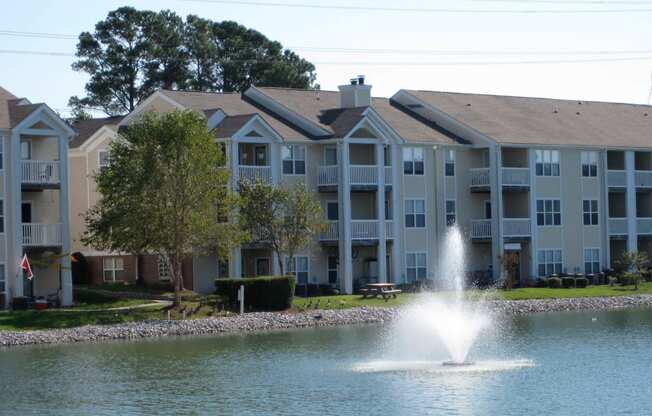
(437, 367)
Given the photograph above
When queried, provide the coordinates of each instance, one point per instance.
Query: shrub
(554, 283)
(568, 282)
(581, 282)
(261, 293)
(540, 283)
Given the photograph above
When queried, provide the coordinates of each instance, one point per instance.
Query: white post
(66, 272)
(632, 236)
(380, 214)
(497, 244)
(235, 163)
(603, 173)
(534, 240)
(241, 299)
(275, 162)
(397, 217)
(276, 270)
(236, 263)
(15, 178)
(345, 246)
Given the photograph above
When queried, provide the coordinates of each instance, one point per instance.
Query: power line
(381, 63)
(418, 10)
(577, 2)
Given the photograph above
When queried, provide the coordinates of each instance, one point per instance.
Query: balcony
(516, 177)
(360, 176)
(617, 226)
(255, 173)
(480, 179)
(40, 173)
(517, 228)
(364, 229)
(363, 175)
(481, 229)
(389, 229)
(361, 230)
(42, 235)
(331, 233)
(616, 179)
(327, 176)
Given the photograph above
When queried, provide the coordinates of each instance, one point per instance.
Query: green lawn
(352, 301)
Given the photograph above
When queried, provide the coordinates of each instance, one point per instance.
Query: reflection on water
(570, 363)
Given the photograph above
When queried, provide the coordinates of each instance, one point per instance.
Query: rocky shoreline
(270, 321)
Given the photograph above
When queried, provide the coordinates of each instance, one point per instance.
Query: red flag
(24, 264)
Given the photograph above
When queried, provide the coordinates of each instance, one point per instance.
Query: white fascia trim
(271, 133)
(214, 120)
(367, 123)
(141, 106)
(439, 116)
(102, 133)
(44, 113)
(389, 132)
(262, 99)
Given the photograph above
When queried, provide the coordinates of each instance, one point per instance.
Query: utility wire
(419, 10)
(43, 35)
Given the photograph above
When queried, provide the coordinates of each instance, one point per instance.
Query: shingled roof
(544, 121)
(86, 128)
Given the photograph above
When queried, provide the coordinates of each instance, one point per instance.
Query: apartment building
(563, 183)
(34, 217)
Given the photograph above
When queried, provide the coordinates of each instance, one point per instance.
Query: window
(2, 216)
(413, 161)
(26, 149)
(330, 155)
(590, 207)
(294, 160)
(415, 213)
(449, 164)
(3, 279)
(298, 267)
(104, 159)
(332, 270)
(548, 212)
(549, 262)
(163, 268)
(590, 164)
(547, 162)
(451, 218)
(113, 268)
(591, 260)
(415, 266)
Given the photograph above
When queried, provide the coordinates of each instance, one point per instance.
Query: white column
(66, 272)
(276, 270)
(632, 236)
(497, 244)
(380, 214)
(275, 156)
(604, 206)
(345, 246)
(397, 216)
(534, 240)
(235, 263)
(234, 163)
(16, 246)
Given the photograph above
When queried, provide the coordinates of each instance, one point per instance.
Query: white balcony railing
(644, 226)
(643, 178)
(256, 173)
(389, 229)
(480, 177)
(40, 172)
(331, 233)
(41, 234)
(617, 226)
(516, 177)
(364, 229)
(517, 227)
(327, 175)
(617, 178)
(364, 175)
(481, 229)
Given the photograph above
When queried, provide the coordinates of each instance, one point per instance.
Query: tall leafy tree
(131, 53)
(285, 218)
(164, 193)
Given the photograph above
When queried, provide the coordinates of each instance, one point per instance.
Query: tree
(634, 264)
(286, 218)
(509, 262)
(131, 53)
(164, 193)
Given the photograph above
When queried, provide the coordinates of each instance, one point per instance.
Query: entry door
(26, 212)
(332, 270)
(487, 210)
(332, 213)
(260, 153)
(330, 155)
(262, 267)
(26, 149)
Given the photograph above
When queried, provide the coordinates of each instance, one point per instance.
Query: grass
(353, 301)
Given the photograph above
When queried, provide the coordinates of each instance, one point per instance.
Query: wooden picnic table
(386, 290)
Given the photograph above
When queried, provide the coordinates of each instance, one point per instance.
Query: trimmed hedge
(568, 282)
(554, 283)
(581, 282)
(261, 293)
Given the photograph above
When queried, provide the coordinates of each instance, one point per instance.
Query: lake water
(552, 364)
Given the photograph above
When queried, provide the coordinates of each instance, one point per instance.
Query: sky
(458, 45)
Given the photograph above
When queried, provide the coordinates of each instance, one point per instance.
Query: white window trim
(405, 214)
(561, 215)
(591, 212)
(294, 272)
(597, 164)
(416, 267)
(294, 159)
(99, 158)
(553, 262)
(599, 260)
(412, 159)
(451, 161)
(113, 269)
(552, 151)
(446, 214)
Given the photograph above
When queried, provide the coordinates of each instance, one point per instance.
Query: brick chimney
(355, 94)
